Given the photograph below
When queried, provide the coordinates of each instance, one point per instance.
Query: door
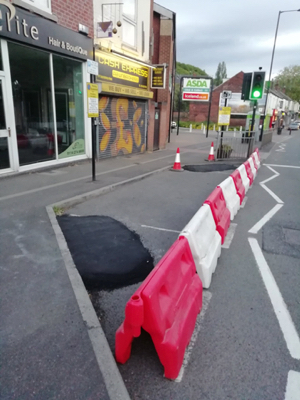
(156, 129)
(5, 133)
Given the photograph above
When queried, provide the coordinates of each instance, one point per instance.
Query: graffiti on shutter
(122, 128)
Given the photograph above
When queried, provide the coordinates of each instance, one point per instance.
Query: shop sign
(158, 77)
(113, 69)
(197, 89)
(92, 94)
(125, 91)
(224, 115)
(22, 26)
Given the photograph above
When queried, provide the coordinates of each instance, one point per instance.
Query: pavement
(48, 334)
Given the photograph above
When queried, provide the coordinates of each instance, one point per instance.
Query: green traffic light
(256, 94)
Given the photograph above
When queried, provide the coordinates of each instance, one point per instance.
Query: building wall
(71, 13)
(114, 13)
(199, 111)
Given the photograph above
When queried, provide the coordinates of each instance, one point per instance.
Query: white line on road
(159, 229)
(265, 219)
(275, 197)
(292, 391)
(281, 166)
(206, 299)
(229, 236)
(283, 316)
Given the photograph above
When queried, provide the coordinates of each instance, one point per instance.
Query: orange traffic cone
(177, 165)
(211, 156)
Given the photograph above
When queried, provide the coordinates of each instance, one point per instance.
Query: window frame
(36, 4)
(132, 22)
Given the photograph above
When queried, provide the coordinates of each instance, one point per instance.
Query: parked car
(173, 124)
(293, 126)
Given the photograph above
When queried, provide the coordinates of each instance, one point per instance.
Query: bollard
(240, 129)
(227, 128)
(203, 129)
(214, 127)
(191, 127)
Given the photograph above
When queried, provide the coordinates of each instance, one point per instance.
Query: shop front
(123, 105)
(42, 87)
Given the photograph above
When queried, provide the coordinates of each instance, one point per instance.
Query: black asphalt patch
(106, 253)
(211, 167)
(282, 240)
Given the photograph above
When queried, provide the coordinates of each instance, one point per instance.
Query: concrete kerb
(107, 364)
(113, 381)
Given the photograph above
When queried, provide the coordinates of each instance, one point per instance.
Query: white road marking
(265, 219)
(281, 148)
(244, 202)
(275, 197)
(283, 316)
(199, 322)
(292, 391)
(281, 166)
(159, 229)
(229, 236)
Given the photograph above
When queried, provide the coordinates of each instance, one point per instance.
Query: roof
(163, 11)
(280, 94)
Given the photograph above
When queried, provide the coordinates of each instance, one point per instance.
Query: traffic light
(246, 85)
(257, 85)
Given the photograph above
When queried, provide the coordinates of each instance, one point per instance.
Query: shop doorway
(156, 129)
(5, 131)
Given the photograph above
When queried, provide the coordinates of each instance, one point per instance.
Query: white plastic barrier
(245, 179)
(205, 243)
(255, 155)
(253, 169)
(232, 199)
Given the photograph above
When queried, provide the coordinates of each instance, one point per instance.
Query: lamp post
(271, 66)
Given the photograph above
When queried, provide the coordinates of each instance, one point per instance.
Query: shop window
(30, 74)
(4, 156)
(69, 106)
(1, 65)
(44, 5)
(129, 23)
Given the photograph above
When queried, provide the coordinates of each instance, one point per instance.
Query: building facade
(125, 45)
(43, 76)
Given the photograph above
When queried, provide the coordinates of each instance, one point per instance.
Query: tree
(220, 74)
(289, 79)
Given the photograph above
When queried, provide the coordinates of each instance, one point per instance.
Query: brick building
(43, 65)
(198, 111)
(163, 52)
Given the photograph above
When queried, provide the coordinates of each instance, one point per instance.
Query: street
(244, 347)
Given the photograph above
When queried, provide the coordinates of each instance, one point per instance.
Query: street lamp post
(271, 66)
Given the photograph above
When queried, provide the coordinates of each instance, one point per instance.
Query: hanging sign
(158, 77)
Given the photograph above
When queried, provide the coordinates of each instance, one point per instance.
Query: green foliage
(289, 79)
(58, 210)
(187, 69)
(220, 74)
(184, 104)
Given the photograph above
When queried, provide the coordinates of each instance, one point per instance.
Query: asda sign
(196, 89)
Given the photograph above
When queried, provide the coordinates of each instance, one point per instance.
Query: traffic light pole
(222, 130)
(252, 127)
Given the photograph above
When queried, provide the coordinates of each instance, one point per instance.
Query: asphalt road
(248, 343)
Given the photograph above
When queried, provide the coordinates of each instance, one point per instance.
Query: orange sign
(195, 96)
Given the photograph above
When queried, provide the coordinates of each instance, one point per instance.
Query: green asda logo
(196, 83)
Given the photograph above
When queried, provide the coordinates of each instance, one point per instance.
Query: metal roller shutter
(123, 126)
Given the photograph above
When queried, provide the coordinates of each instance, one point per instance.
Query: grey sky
(239, 32)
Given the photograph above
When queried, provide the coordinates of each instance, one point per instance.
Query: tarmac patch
(211, 167)
(283, 240)
(106, 253)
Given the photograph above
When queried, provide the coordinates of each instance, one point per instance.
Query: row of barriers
(167, 303)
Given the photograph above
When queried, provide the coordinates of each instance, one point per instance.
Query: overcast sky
(239, 32)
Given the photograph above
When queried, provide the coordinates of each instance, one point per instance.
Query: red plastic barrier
(254, 162)
(219, 211)
(166, 306)
(257, 151)
(249, 171)
(238, 183)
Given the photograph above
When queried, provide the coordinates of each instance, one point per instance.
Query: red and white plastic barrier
(245, 179)
(166, 305)
(205, 243)
(253, 169)
(231, 197)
